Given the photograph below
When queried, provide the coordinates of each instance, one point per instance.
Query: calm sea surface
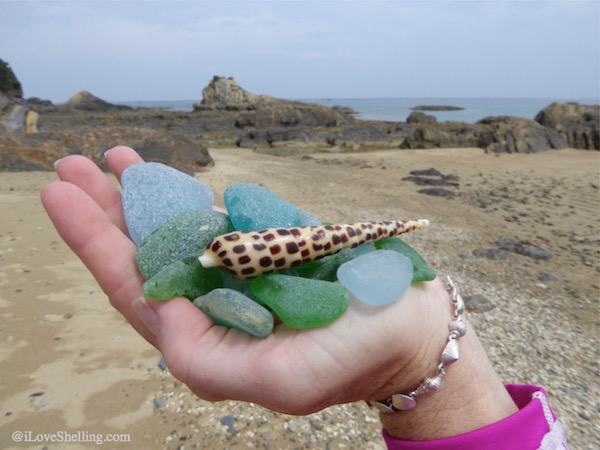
(398, 109)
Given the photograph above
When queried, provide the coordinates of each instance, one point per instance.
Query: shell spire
(253, 253)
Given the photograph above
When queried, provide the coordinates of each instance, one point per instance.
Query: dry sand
(69, 363)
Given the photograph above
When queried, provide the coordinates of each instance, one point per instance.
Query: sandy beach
(72, 366)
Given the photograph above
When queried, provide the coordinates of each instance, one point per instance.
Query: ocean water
(398, 109)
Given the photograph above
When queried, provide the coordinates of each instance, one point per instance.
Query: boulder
(31, 122)
(9, 84)
(577, 123)
(420, 117)
(84, 101)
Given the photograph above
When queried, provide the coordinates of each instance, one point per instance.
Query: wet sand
(69, 363)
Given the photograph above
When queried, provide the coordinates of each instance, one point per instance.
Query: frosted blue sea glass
(154, 193)
(377, 278)
(252, 207)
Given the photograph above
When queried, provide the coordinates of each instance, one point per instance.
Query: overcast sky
(124, 51)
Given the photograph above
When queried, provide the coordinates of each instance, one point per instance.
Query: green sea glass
(301, 302)
(233, 309)
(421, 271)
(326, 268)
(185, 278)
(187, 234)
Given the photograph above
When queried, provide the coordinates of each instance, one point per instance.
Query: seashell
(253, 253)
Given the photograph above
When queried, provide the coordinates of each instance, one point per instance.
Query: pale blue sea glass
(154, 193)
(377, 278)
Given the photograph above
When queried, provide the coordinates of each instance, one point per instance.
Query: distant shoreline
(398, 109)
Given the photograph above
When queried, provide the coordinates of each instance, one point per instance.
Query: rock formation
(261, 111)
(576, 122)
(420, 117)
(501, 134)
(84, 101)
(437, 108)
(34, 132)
(225, 93)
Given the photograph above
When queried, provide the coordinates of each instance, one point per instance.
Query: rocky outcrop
(267, 113)
(495, 134)
(225, 93)
(9, 84)
(84, 101)
(437, 108)
(445, 134)
(517, 135)
(420, 117)
(291, 114)
(577, 123)
(39, 151)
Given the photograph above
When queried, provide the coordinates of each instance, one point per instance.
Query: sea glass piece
(326, 268)
(377, 278)
(154, 193)
(252, 208)
(186, 278)
(308, 220)
(299, 302)
(233, 309)
(186, 234)
(421, 271)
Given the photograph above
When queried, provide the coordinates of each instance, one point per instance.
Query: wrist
(471, 395)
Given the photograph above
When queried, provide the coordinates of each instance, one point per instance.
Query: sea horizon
(398, 109)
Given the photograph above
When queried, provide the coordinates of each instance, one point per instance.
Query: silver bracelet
(406, 402)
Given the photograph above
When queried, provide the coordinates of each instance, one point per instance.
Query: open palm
(368, 353)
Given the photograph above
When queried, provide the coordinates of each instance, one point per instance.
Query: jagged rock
(225, 93)
(261, 111)
(517, 135)
(9, 84)
(420, 117)
(495, 134)
(446, 134)
(578, 124)
(84, 101)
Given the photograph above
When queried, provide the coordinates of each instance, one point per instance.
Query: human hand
(368, 353)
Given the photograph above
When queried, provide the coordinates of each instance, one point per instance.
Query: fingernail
(55, 164)
(107, 152)
(146, 314)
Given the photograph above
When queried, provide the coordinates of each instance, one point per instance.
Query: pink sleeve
(534, 426)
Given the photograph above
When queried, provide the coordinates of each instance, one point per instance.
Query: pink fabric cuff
(534, 426)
